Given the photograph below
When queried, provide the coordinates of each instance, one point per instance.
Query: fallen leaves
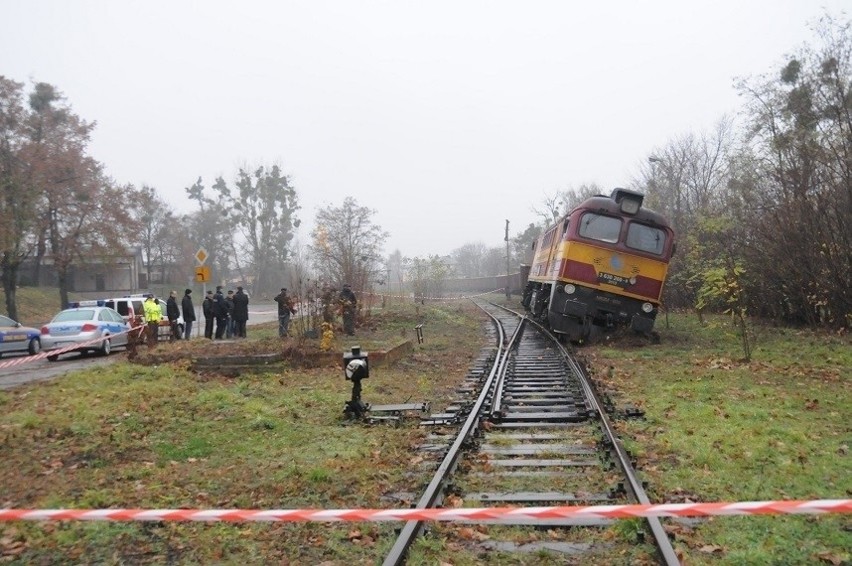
(12, 542)
(830, 558)
(712, 549)
(472, 533)
(355, 536)
(453, 502)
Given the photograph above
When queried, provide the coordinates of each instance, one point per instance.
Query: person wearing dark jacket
(241, 302)
(207, 308)
(285, 309)
(188, 313)
(220, 311)
(230, 325)
(173, 314)
(349, 306)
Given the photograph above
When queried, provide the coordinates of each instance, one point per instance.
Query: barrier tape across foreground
(472, 514)
(66, 349)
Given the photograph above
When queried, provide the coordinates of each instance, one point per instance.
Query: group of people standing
(346, 300)
(230, 313)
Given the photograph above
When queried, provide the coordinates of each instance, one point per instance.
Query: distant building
(122, 272)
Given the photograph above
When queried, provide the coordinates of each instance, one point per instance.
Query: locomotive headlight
(633, 280)
(631, 205)
(569, 289)
(647, 307)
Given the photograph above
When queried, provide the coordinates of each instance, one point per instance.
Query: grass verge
(160, 436)
(718, 429)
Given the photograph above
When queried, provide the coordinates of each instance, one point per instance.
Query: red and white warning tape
(472, 514)
(70, 348)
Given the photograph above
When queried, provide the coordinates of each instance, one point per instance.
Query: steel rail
(664, 545)
(496, 409)
(433, 491)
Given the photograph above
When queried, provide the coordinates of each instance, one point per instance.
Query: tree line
(54, 197)
(763, 211)
(762, 206)
(59, 208)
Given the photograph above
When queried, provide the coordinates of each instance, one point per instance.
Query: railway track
(526, 429)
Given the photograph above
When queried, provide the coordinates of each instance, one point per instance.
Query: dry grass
(160, 436)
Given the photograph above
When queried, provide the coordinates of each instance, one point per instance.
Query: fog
(447, 118)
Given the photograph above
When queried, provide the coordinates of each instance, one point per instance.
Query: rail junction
(527, 429)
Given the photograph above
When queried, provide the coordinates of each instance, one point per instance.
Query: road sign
(201, 255)
(202, 274)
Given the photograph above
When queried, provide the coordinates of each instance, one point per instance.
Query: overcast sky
(446, 117)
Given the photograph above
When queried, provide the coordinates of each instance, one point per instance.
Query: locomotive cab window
(645, 238)
(599, 227)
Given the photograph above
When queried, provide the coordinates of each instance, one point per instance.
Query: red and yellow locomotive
(602, 264)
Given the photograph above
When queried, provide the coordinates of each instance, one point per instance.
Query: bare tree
(550, 208)
(687, 181)
(798, 205)
(156, 236)
(427, 276)
(522, 244)
(76, 208)
(263, 210)
(573, 196)
(468, 259)
(687, 178)
(395, 271)
(346, 245)
(494, 262)
(211, 229)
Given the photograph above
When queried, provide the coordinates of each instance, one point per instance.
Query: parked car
(99, 328)
(130, 306)
(17, 338)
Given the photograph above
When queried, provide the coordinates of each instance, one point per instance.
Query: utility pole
(507, 260)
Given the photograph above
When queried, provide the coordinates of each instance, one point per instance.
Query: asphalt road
(43, 370)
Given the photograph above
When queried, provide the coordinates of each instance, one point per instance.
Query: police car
(92, 328)
(130, 306)
(17, 338)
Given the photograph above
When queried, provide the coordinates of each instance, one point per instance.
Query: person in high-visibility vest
(153, 314)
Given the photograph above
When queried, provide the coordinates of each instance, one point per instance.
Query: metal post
(507, 259)
(199, 318)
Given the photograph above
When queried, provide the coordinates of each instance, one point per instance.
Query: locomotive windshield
(645, 238)
(599, 227)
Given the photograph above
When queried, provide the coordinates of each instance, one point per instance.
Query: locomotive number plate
(611, 279)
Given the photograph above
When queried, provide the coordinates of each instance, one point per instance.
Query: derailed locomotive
(601, 265)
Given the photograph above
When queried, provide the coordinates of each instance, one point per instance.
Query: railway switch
(356, 366)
